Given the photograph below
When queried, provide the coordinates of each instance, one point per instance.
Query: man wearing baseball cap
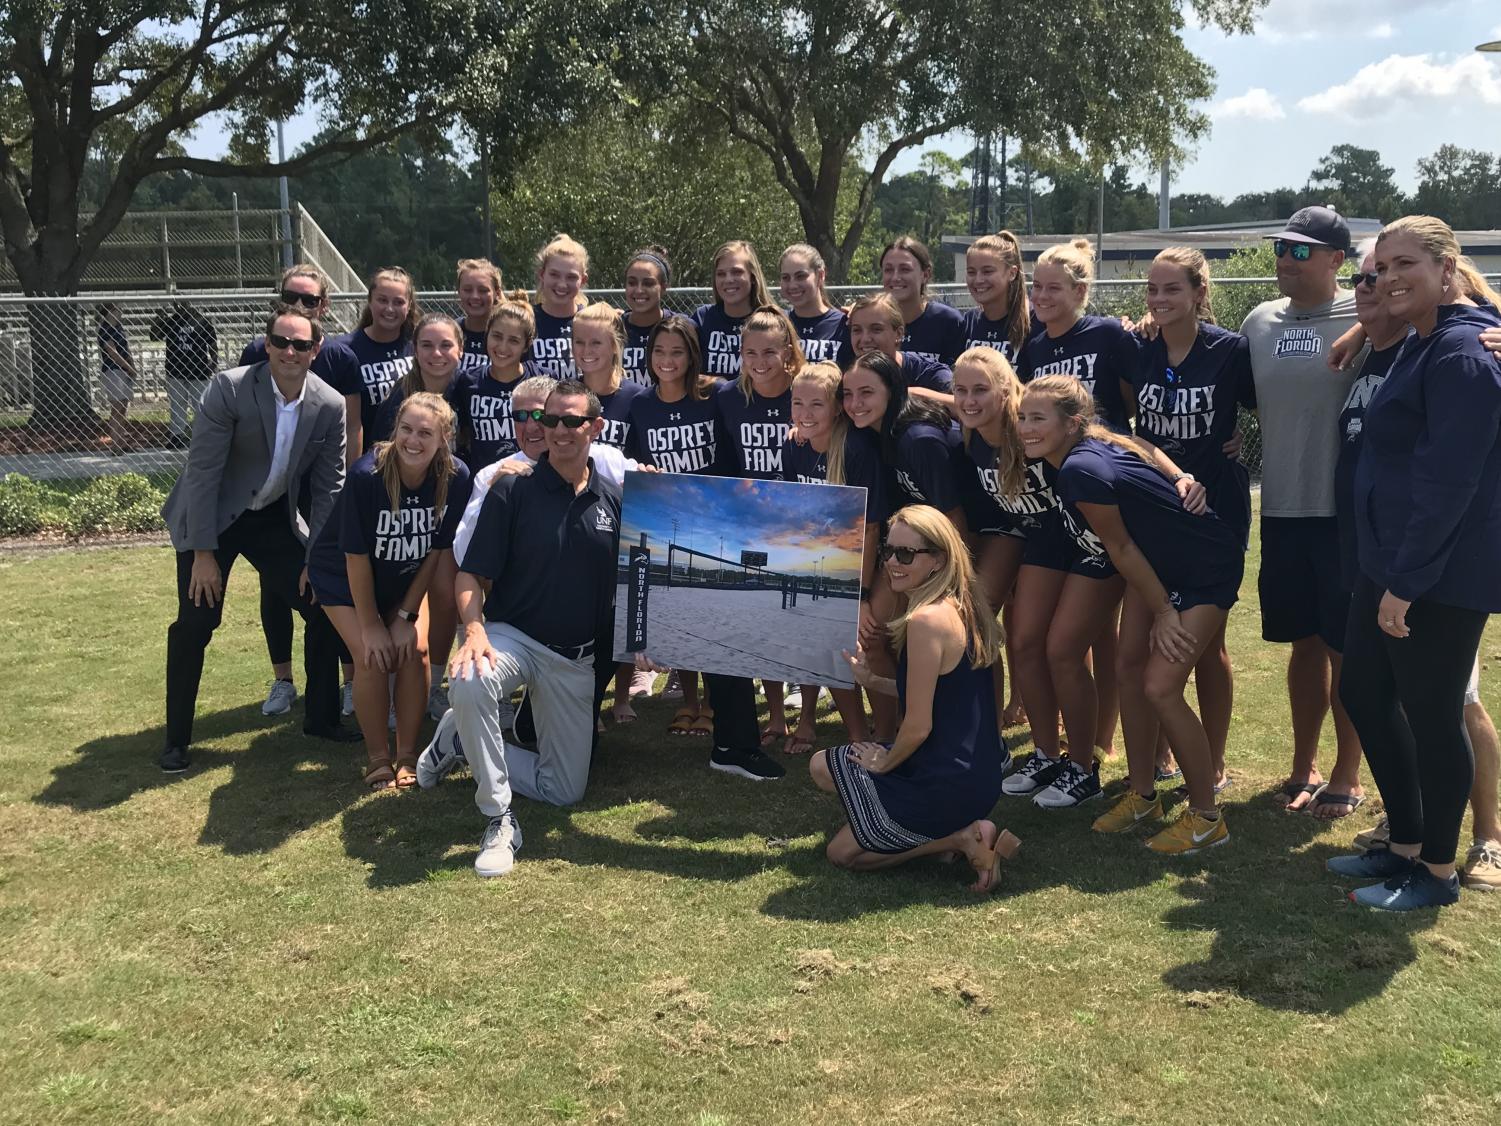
(1299, 398)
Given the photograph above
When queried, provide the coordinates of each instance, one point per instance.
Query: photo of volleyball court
(746, 578)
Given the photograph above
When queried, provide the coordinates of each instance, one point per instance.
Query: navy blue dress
(954, 778)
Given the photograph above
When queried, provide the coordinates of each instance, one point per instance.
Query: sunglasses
(904, 555)
(1300, 251)
(278, 341)
(572, 421)
(306, 300)
(536, 414)
(1364, 279)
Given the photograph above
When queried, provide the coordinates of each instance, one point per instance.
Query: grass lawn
(261, 941)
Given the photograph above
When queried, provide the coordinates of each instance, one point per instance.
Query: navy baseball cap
(1320, 225)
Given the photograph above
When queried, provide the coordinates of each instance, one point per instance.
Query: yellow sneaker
(1189, 834)
(1129, 812)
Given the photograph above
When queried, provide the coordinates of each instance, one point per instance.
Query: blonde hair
(771, 318)
(515, 306)
(306, 270)
(605, 316)
(1010, 459)
(1194, 265)
(915, 248)
(442, 467)
(827, 379)
(882, 300)
(759, 294)
(955, 580)
(481, 266)
(400, 277)
(563, 246)
(411, 383)
(1076, 405)
(1437, 238)
(1005, 246)
(815, 263)
(1076, 258)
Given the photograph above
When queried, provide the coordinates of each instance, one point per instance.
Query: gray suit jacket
(233, 438)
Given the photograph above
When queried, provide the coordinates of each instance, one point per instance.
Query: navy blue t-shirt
(923, 372)
(751, 435)
(982, 332)
(484, 410)
(633, 359)
(675, 437)
(1016, 515)
(378, 368)
(927, 466)
(937, 333)
(1096, 351)
(1185, 551)
(825, 338)
(1189, 412)
(552, 347)
(112, 334)
(397, 542)
(475, 356)
(385, 414)
(616, 411)
(1351, 423)
(718, 340)
(862, 468)
(334, 364)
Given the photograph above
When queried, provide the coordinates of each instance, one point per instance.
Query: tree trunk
(61, 404)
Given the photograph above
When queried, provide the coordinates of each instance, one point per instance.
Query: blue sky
(802, 528)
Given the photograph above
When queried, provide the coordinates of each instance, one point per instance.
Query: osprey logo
(1176, 599)
(603, 521)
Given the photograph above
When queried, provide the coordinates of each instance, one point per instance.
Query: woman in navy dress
(931, 790)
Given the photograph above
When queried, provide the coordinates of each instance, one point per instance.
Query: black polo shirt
(550, 555)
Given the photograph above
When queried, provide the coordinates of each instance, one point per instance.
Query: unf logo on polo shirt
(603, 521)
(1299, 342)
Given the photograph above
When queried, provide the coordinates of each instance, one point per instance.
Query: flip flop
(1291, 790)
(797, 745)
(769, 736)
(1348, 804)
(623, 714)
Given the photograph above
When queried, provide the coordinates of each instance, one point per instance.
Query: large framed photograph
(746, 578)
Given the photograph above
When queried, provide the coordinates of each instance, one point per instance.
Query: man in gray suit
(260, 430)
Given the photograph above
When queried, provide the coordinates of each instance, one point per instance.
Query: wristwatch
(405, 615)
(1184, 477)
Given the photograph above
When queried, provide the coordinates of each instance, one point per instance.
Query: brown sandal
(379, 776)
(406, 773)
(704, 724)
(682, 721)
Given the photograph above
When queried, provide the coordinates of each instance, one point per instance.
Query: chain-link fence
(60, 364)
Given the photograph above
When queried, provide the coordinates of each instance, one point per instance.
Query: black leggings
(1406, 699)
(276, 624)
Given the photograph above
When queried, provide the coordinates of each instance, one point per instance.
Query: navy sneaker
(1036, 772)
(1372, 864)
(750, 763)
(1416, 889)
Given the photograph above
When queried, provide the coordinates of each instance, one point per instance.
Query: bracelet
(1185, 477)
(405, 615)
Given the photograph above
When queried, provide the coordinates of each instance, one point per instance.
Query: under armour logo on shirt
(674, 416)
(773, 414)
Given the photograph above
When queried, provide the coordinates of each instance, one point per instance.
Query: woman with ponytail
(929, 791)
(647, 277)
(739, 290)
(562, 274)
(823, 330)
(484, 405)
(931, 329)
(993, 275)
(371, 567)
(479, 289)
(382, 347)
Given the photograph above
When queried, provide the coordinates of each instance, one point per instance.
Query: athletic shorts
(1302, 591)
(986, 518)
(1186, 598)
(118, 387)
(332, 589)
(1051, 547)
(1472, 689)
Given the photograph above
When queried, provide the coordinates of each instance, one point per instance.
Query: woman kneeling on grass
(928, 793)
(1182, 576)
(370, 569)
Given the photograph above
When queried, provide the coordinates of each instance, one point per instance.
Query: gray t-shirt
(1298, 400)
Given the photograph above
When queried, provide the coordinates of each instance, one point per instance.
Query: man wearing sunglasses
(545, 545)
(260, 430)
(1304, 599)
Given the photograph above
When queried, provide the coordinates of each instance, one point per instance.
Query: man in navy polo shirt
(546, 545)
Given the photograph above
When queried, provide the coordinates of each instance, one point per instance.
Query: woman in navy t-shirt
(933, 330)
(479, 288)
(823, 331)
(875, 323)
(993, 275)
(382, 347)
(487, 429)
(739, 289)
(1183, 574)
(646, 280)
(371, 568)
(562, 274)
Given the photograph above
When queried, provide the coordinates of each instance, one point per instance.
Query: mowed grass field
(261, 941)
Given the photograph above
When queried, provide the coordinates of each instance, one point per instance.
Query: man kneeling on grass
(546, 546)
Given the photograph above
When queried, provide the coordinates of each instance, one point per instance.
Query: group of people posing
(1045, 485)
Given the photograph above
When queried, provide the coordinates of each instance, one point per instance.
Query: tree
(1461, 187)
(130, 80)
(808, 84)
(1358, 183)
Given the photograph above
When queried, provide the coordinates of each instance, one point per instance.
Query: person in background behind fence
(192, 355)
(117, 373)
(260, 430)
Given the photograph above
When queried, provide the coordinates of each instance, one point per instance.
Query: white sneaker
(1072, 786)
(280, 699)
(641, 683)
(437, 700)
(441, 755)
(499, 845)
(1036, 772)
(346, 700)
(793, 699)
(674, 687)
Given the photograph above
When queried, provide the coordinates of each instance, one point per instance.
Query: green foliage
(23, 506)
(1356, 183)
(1232, 302)
(124, 503)
(1460, 186)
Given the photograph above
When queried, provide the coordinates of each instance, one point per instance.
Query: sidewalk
(63, 466)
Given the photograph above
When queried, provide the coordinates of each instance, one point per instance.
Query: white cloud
(1382, 30)
(1401, 82)
(1297, 19)
(1256, 104)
